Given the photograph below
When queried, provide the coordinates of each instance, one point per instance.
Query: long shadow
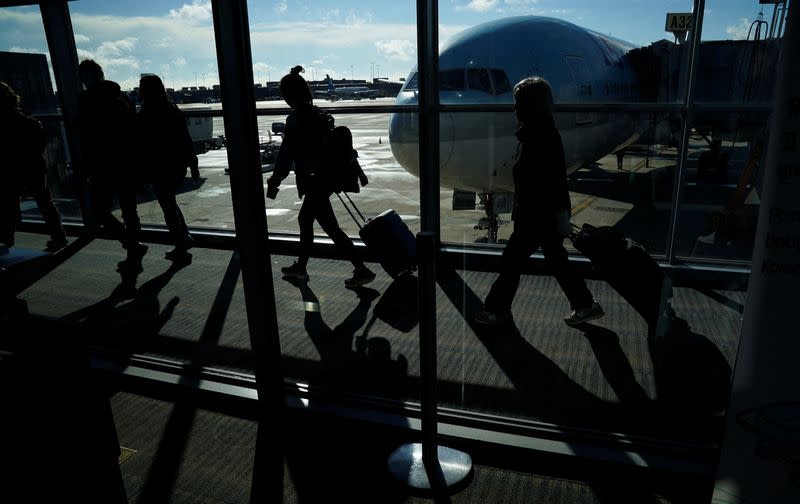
(716, 296)
(163, 472)
(129, 326)
(327, 457)
(546, 392)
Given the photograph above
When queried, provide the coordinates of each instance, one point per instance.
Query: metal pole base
(407, 467)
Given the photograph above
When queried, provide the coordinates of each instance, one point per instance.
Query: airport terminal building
(219, 379)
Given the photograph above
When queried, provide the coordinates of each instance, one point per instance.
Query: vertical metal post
(677, 193)
(234, 59)
(64, 57)
(426, 465)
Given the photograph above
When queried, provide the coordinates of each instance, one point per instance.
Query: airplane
(355, 92)
(476, 66)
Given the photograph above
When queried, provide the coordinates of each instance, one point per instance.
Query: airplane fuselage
(482, 64)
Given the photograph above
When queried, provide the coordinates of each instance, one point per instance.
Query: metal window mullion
(64, 58)
(429, 237)
(677, 193)
(232, 33)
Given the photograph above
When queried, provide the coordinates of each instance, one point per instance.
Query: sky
(358, 39)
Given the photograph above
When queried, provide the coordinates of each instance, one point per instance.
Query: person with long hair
(167, 151)
(302, 148)
(22, 142)
(541, 210)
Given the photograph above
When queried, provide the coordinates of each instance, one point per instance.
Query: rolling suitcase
(387, 238)
(628, 268)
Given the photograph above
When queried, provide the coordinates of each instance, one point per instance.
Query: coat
(163, 141)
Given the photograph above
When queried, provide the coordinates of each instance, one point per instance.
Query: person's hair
(9, 99)
(151, 88)
(90, 68)
(533, 98)
(294, 88)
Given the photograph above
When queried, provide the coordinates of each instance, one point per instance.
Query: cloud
(317, 62)
(198, 12)
(179, 61)
(281, 6)
(82, 39)
(261, 67)
(521, 2)
(403, 50)
(739, 31)
(478, 5)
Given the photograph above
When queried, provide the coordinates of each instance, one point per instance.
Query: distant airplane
(354, 92)
(482, 64)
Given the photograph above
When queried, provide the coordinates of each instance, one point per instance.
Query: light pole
(351, 74)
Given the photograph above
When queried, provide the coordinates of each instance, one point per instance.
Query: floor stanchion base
(407, 467)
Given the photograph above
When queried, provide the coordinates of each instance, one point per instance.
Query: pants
(173, 217)
(103, 199)
(37, 187)
(524, 241)
(318, 207)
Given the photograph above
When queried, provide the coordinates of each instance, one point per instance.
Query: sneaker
(491, 319)
(361, 276)
(582, 315)
(295, 271)
(56, 244)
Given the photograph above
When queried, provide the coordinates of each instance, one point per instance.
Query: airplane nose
(404, 139)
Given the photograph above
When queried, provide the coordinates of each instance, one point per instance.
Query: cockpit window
(478, 79)
(451, 80)
(412, 84)
(501, 83)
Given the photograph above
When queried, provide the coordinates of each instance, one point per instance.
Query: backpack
(345, 172)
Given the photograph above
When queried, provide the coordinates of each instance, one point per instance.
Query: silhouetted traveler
(167, 150)
(302, 149)
(108, 126)
(22, 143)
(541, 210)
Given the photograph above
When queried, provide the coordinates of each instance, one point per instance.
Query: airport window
(655, 369)
(26, 67)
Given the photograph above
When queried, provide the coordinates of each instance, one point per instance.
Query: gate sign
(678, 22)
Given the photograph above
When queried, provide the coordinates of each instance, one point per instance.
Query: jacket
(22, 142)
(540, 174)
(164, 142)
(107, 122)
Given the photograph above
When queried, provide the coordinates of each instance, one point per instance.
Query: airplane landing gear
(491, 222)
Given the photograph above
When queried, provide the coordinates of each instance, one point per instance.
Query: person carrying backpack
(305, 147)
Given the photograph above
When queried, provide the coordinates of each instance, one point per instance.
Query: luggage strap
(358, 223)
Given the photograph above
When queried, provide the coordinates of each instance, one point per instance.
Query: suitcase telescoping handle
(358, 223)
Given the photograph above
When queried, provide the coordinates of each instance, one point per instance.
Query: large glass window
(25, 66)
(620, 91)
(356, 58)
(174, 40)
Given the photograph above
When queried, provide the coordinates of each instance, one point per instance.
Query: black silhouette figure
(541, 210)
(22, 141)
(108, 126)
(304, 139)
(167, 150)
(361, 362)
